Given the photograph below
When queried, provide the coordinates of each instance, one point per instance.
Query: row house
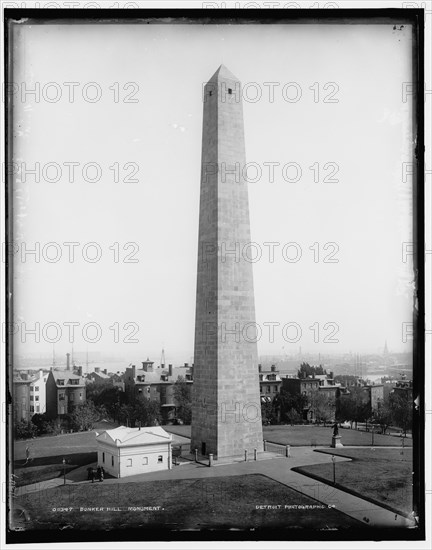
(309, 387)
(100, 377)
(270, 383)
(21, 396)
(64, 392)
(38, 393)
(372, 395)
(29, 394)
(404, 388)
(157, 384)
(53, 392)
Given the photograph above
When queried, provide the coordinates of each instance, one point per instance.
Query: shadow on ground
(48, 467)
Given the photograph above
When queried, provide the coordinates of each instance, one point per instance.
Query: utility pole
(334, 469)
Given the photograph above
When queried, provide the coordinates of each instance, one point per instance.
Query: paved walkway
(278, 468)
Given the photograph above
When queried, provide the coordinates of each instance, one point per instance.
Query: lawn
(312, 435)
(321, 436)
(55, 445)
(381, 475)
(222, 502)
(48, 467)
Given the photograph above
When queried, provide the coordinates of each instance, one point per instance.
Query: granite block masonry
(226, 410)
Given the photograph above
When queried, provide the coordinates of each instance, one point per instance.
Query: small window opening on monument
(210, 92)
(230, 90)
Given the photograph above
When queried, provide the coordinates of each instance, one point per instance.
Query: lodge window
(36, 398)
(103, 458)
(230, 91)
(160, 458)
(129, 462)
(31, 408)
(145, 461)
(31, 398)
(112, 461)
(268, 389)
(36, 388)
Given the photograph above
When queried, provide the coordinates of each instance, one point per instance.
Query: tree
(141, 412)
(285, 403)
(306, 370)
(266, 412)
(182, 397)
(146, 412)
(108, 399)
(323, 406)
(84, 416)
(125, 414)
(354, 406)
(24, 430)
(39, 420)
(293, 416)
(402, 410)
(45, 425)
(384, 417)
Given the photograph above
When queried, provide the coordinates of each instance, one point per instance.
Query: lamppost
(64, 472)
(334, 469)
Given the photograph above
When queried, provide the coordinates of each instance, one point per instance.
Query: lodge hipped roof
(124, 436)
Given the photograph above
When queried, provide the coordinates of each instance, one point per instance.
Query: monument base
(336, 441)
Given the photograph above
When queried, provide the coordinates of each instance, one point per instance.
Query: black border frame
(241, 16)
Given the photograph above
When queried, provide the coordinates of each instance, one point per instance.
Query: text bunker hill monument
(226, 410)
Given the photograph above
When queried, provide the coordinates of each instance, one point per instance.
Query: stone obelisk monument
(226, 410)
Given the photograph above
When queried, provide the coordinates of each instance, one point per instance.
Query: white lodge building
(130, 451)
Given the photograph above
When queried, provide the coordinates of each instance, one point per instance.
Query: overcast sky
(349, 122)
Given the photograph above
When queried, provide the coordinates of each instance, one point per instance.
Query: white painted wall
(39, 407)
(135, 459)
